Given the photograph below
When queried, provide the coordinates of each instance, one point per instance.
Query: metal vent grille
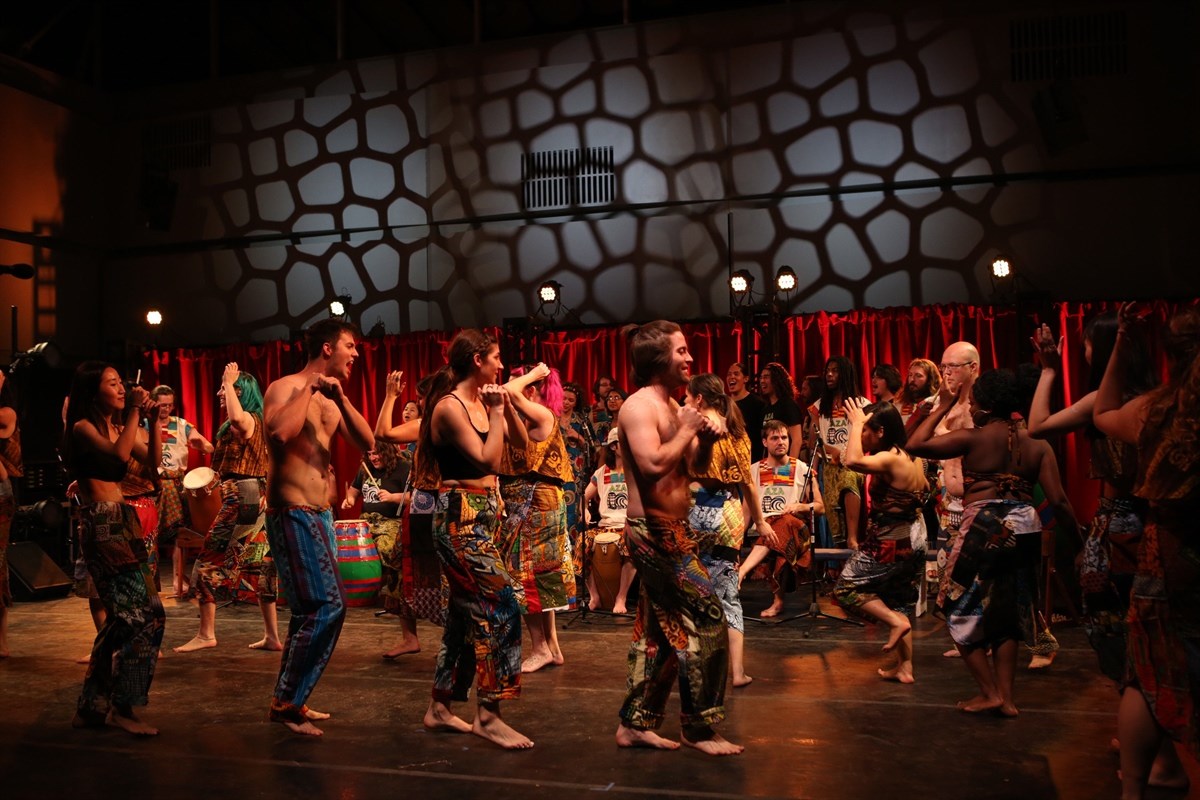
(1062, 47)
(176, 144)
(568, 178)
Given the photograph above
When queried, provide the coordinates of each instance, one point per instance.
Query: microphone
(21, 271)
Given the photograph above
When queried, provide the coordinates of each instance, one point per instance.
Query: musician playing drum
(607, 488)
(235, 547)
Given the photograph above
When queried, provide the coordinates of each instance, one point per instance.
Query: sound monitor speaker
(34, 574)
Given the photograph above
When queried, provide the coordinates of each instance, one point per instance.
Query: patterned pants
(305, 550)
(482, 637)
(680, 630)
(125, 650)
(535, 528)
(390, 544)
(234, 556)
(146, 508)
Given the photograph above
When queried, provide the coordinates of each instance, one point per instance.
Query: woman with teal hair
(235, 554)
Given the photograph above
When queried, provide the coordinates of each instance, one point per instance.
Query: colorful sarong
(791, 558)
(836, 482)
(680, 630)
(125, 650)
(886, 568)
(146, 508)
(990, 582)
(304, 548)
(172, 512)
(424, 586)
(235, 559)
(535, 539)
(1107, 566)
(482, 636)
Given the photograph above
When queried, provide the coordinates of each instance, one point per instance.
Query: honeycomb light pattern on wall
(824, 144)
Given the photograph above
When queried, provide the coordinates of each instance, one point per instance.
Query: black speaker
(34, 574)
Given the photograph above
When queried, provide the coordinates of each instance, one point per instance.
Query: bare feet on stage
(593, 603)
(898, 632)
(490, 726)
(128, 721)
(557, 657)
(632, 737)
(619, 608)
(298, 720)
(439, 718)
(264, 644)
(1041, 662)
(709, 742)
(742, 680)
(952, 653)
(405, 647)
(539, 660)
(902, 673)
(773, 610)
(981, 703)
(198, 643)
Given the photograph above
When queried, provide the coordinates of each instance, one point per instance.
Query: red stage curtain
(868, 337)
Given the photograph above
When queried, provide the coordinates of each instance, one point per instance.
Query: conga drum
(358, 561)
(202, 492)
(606, 567)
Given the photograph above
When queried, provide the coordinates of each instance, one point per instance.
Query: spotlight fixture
(785, 279)
(339, 306)
(154, 317)
(549, 292)
(740, 282)
(1001, 268)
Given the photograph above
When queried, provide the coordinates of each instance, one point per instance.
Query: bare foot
(594, 604)
(314, 716)
(712, 743)
(772, 610)
(1041, 662)
(405, 647)
(1007, 709)
(198, 643)
(952, 653)
(536, 662)
(557, 657)
(85, 660)
(264, 644)
(490, 726)
(305, 728)
(439, 718)
(744, 680)
(898, 632)
(129, 723)
(979, 703)
(902, 673)
(632, 737)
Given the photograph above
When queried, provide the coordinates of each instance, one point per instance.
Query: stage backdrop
(868, 337)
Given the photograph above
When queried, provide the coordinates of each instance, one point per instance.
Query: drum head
(607, 538)
(198, 478)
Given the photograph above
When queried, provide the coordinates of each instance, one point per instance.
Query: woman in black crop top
(467, 421)
(98, 447)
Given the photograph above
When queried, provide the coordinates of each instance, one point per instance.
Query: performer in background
(178, 436)
(609, 495)
(302, 412)
(235, 550)
(97, 452)
(789, 498)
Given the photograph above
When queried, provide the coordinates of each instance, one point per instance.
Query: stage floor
(816, 722)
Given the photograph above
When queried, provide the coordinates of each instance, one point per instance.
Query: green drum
(358, 561)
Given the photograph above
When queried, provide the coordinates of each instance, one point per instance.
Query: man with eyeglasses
(178, 435)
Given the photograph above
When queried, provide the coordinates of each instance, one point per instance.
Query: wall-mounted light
(785, 279)
(339, 307)
(154, 317)
(1001, 268)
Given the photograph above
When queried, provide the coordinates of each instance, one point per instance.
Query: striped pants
(305, 551)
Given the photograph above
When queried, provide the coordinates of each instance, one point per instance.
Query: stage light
(1001, 268)
(548, 292)
(339, 307)
(785, 279)
(740, 282)
(154, 317)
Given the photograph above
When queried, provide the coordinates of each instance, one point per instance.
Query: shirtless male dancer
(302, 412)
(680, 628)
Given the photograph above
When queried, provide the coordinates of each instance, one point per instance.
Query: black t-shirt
(786, 410)
(393, 482)
(752, 408)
